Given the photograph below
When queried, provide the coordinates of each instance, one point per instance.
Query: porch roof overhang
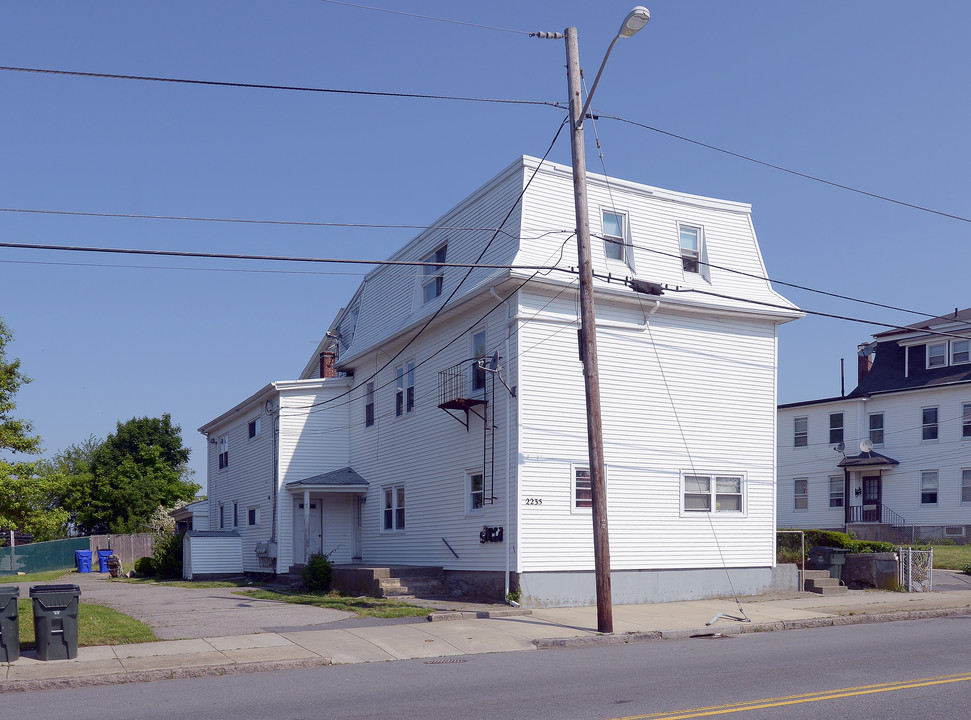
(343, 480)
(870, 459)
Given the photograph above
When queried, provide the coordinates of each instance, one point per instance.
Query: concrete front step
(389, 581)
(820, 582)
(412, 586)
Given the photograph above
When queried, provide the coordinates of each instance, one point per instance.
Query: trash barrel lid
(54, 589)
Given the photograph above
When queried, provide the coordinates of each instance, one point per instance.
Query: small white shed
(206, 553)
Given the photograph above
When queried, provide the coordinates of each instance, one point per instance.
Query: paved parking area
(176, 613)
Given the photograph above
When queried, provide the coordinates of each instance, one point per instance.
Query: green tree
(140, 467)
(28, 501)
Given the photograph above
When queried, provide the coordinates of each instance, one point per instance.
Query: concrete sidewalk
(448, 634)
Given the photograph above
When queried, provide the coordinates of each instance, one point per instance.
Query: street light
(635, 20)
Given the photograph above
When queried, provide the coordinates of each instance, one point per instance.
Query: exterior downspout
(506, 590)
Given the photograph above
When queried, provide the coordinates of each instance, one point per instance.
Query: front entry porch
(326, 516)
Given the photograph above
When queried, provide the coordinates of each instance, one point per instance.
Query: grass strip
(362, 606)
(97, 625)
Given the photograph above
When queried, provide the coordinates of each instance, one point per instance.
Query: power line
(276, 258)
(424, 17)
(264, 86)
(756, 276)
(780, 168)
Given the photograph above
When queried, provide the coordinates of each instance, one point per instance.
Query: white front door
(316, 529)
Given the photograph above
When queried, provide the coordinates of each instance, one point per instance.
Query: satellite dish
(840, 447)
(494, 361)
(866, 446)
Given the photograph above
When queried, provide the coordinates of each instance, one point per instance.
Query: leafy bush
(144, 566)
(167, 558)
(967, 568)
(316, 573)
(788, 549)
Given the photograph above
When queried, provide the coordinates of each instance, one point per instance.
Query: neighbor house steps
(820, 582)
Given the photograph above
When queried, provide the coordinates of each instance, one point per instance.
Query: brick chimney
(864, 361)
(328, 362)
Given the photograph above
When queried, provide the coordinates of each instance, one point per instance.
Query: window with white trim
(404, 397)
(235, 514)
(800, 494)
(476, 493)
(836, 491)
(966, 485)
(433, 276)
(253, 429)
(615, 235)
(369, 405)
(960, 352)
(876, 428)
(800, 432)
(966, 420)
(929, 486)
(222, 516)
(582, 488)
(928, 419)
(479, 353)
(394, 508)
(836, 427)
(223, 452)
(936, 355)
(713, 493)
(253, 516)
(690, 240)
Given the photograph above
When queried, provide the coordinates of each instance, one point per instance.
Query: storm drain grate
(442, 661)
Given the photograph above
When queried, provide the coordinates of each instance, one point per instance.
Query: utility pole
(588, 342)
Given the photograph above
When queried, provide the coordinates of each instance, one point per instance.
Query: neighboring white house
(396, 446)
(892, 459)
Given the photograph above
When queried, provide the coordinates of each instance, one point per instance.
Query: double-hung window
(928, 487)
(966, 485)
(800, 432)
(800, 494)
(582, 489)
(223, 452)
(394, 508)
(404, 398)
(836, 427)
(479, 353)
(936, 355)
(960, 352)
(476, 493)
(836, 493)
(966, 421)
(690, 239)
(369, 405)
(433, 275)
(928, 423)
(876, 428)
(713, 493)
(615, 235)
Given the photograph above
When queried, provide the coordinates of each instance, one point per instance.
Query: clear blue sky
(873, 95)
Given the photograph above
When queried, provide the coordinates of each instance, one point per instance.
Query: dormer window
(690, 238)
(615, 235)
(960, 352)
(433, 275)
(937, 355)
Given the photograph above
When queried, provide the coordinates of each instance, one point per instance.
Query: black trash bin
(56, 621)
(828, 558)
(9, 631)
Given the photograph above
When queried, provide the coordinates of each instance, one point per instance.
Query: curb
(731, 630)
(124, 678)
(448, 615)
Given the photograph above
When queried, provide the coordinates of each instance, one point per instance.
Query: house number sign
(490, 534)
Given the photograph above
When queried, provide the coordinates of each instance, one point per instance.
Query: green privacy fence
(38, 557)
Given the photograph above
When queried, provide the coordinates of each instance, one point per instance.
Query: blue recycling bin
(103, 556)
(82, 558)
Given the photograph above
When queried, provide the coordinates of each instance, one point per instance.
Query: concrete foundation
(634, 587)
